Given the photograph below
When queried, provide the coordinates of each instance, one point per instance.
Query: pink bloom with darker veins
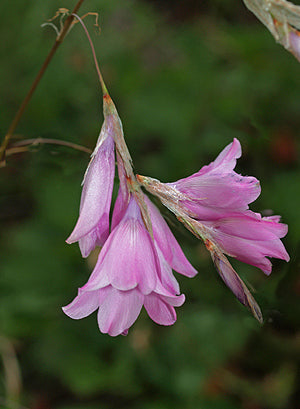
(131, 272)
(92, 227)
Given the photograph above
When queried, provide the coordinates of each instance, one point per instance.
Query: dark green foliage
(186, 77)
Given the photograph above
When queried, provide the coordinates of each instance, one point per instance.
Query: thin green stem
(35, 83)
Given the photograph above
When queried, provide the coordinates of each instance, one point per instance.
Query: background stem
(35, 83)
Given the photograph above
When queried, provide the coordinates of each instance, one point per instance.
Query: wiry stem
(103, 86)
(38, 141)
(39, 76)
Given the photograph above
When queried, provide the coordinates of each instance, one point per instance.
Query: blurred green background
(187, 77)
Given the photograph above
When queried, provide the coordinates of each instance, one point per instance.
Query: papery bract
(282, 18)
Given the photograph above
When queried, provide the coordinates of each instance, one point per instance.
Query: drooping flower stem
(19, 114)
(109, 109)
(102, 83)
(123, 155)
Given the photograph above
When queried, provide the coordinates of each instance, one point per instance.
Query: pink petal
(229, 190)
(167, 243)
(224, 163)
(247, 225)
(87, 243)
(119, 208)
(294, 37)
(160, 310)
(123, 195)
(236, 285)
(119, 310)
(96, 192)
(168, 280)
(226, 160)
(83, 305)
(217, 186)
(272, 218)
(128, 258)
(96, 237)
(250, 240)
(175, 301)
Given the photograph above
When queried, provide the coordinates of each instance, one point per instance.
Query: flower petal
(217, 186)
(168, 280)
(236, 285)
(226, 160)
(96, 237)
(223, 164)
(294, 38)
(120, 207)
(83, 305)
(175, 301)
(96, 192)
(128, 258)
(160, 310)
(119, 310)
(220, 190)
(250, 239)
(167, 243)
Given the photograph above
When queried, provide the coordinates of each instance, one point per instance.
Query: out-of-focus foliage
(186, 77)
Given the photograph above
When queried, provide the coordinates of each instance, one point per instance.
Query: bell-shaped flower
(118, 310)
(163, 237)
(130, 272)
(249, 238)
(92, 227)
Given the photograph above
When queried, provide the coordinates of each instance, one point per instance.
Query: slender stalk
(38, 141)
(39, 76)
(103, 86)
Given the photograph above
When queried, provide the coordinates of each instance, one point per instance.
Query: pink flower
(167, 243)
(216, 188)
(131, 272)
(249, 237)
(215, 202)
(163, 237)
(213, 205)
(92, 227)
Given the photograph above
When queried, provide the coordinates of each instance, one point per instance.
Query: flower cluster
(134, 267)
(213, 204)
